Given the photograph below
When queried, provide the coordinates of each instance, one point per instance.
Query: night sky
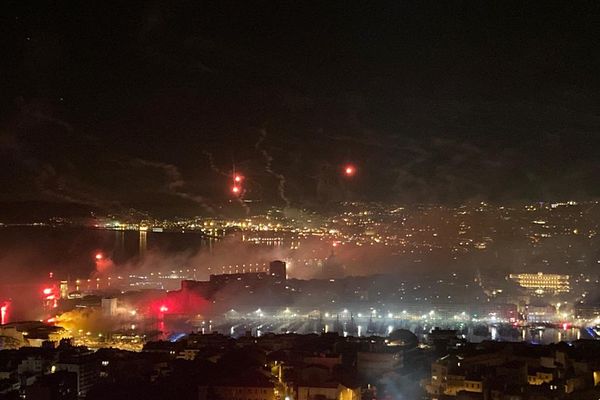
(150, 104)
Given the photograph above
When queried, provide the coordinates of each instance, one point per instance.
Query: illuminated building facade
(541, 283)
(328, 391)
(64, 289)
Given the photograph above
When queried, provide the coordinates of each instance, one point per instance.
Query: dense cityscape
(287, 200)
(322, 320)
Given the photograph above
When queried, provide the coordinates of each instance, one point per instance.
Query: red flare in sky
(99, 256)
(349, 170)
(235, 190)
(238, 178)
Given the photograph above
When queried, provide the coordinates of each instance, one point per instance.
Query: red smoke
(4, 313)
(178, 302)
(103, 264)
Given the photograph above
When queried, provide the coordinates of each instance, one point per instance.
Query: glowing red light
(164, 309)
(238, 178)
(51, 320)
(349, 170)
(335, 244)
(47, 291)
(3, 311)
(99, 256)
(235, 189)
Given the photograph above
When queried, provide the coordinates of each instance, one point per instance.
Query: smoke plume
(268, 167)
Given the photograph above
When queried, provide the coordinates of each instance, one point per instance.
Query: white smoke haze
(26, 264)
(173, 182)
(230, 253)
(268, 167)
(212, 165)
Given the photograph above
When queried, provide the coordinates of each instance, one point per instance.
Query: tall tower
(64, 289)
(109, 306)
(277, 269)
